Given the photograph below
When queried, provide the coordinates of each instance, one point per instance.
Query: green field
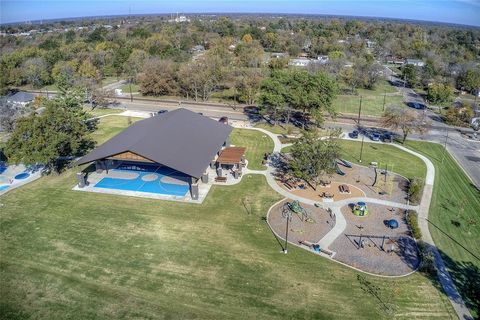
(279, 129)
(455, 217)
(126, 88)
(372, 100)
(372, 105)
(101, 111)
(257, 145)
(70, 254)
(109, 80)
(399, 161)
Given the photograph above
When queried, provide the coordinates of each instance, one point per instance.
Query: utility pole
(288, 217)
(361, 148)
(445, 146)
(384, 99)
(359, 109)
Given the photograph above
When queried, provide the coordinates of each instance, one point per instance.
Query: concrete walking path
(340, 225)
(443, 276)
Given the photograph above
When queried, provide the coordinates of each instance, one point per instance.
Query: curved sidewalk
(443, 275)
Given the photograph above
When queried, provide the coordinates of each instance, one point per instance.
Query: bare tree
(407, 120)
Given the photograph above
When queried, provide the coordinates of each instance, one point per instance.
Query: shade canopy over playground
(180, 139)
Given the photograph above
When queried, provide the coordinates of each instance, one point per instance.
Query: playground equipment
(360, 209)
(339, 171)
(344, 163)
(384, 185)
(392, 223)
(295, 207)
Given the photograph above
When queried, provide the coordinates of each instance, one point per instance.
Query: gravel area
(298, 230)
(400, 255)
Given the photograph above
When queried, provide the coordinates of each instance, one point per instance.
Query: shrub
(412, 221)
(415, 190)
(427, 264)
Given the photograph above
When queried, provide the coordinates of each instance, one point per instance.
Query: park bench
(220, 179)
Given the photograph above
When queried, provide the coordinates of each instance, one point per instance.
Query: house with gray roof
(21, 98)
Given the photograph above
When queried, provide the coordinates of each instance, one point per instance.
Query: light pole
(361, 148)
(289, 218)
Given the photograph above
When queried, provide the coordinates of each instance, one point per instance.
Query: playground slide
(344, 163)
(339, 171)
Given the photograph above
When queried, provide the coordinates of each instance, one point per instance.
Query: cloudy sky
(453, 11)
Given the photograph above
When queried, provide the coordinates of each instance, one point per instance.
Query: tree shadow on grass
(465, 276)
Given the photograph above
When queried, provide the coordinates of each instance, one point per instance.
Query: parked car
(387, 137)
(353, 134)
(162, 111)
(374, 136)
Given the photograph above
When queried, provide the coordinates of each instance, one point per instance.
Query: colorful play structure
(295, 207)
(360, 209)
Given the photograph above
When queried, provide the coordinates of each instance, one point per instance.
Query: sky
(452, 11)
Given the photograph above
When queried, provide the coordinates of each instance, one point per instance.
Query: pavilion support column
(227, 142)
(194, 191)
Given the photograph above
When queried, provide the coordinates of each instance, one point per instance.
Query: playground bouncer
(360, 209)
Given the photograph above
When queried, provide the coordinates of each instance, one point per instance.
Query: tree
(247, 38)
(460, 115)
(410, 74)
(272, 96)
(313, 158)
(35, 72)
(60, 131)
(472, 79)
(366, 73)
(439, 93)
(64, 74)
(248, 84)
(249, 54)
(159, 78)
(312, 93)
(406, 120)
(300, 90)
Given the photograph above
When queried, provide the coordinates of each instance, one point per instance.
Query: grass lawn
(110, 126)
(108, 80)
(278, 129)
(403, 163)
(101, 111)
(372, 101)
(372, 104)
(126, 88)
(68, 254)
(257, 145)
(455, 217)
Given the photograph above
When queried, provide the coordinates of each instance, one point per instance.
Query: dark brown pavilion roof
(231, 155)
(180, 139)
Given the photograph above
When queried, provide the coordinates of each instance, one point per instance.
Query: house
(278, 55)
(168, 154)
(21, 98)
(370, 44)
(299, 62)
(394, 60)
(198, 49)
(323, 59)
(415, 62)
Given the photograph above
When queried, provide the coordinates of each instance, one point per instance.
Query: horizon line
(239, 13)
